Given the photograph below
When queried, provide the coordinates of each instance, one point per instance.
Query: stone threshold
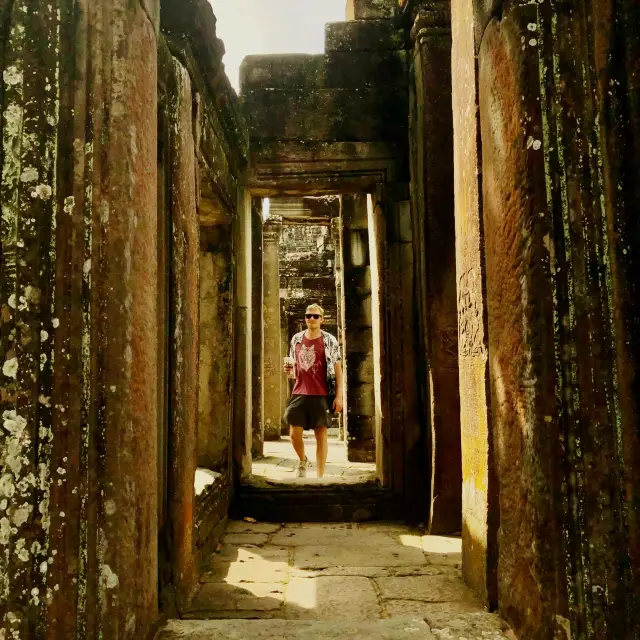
(315, 502)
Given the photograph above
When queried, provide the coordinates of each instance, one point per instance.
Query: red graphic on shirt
(311, 368)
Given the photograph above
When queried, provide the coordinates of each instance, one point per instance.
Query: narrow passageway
(279, 464)
(344, 580)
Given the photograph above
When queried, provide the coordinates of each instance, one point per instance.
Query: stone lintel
(297, 168)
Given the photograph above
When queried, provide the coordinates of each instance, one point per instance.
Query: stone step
(315, 502)
(390, 629)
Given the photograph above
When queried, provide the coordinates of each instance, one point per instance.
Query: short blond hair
(317, 307)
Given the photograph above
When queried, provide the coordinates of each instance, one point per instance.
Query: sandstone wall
(78, 331)
(307, 263)
(547, 265)
(104, 135)
(215, 395)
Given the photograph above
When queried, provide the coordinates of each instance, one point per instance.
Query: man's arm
(338, 403)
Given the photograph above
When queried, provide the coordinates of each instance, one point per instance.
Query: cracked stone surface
(395, 629)
(309, 579)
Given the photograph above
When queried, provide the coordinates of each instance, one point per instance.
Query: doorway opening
(315, 250)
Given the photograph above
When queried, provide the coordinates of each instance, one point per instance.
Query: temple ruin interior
(457, 183)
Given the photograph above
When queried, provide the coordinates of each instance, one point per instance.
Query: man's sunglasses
(315, 316)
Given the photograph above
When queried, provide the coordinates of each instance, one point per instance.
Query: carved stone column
(257, 391)
(402, 445)
(358, 337)
(545, 104)
(431, 136)
(479, 494)
(272, 366)
(242, 397)
(336, 234)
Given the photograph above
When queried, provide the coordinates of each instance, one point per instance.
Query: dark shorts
(308, 412)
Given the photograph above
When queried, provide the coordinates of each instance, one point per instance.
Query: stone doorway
(316, 250)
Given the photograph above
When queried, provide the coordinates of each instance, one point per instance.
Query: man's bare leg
(297, 441)
(322, 448)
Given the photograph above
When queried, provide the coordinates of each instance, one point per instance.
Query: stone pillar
(479, 491)
(358, 337)
(377, 232)
(257, 337)
(336, 234)
(183, 328)
(216, 347)
(78, 313)
(272, 377)
(403, 438)
(559, 193)
(286, 385)
(242, 396)
(431, 135)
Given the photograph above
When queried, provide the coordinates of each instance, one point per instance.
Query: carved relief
(470, 330)
(433, 19)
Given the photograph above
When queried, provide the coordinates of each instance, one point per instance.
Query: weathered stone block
(369, 35)
(331, 598)
(370, 9)
(282, 71)
(365, 69)
(327, 114)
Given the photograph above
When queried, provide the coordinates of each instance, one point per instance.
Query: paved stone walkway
(343, 577)
(280, 462)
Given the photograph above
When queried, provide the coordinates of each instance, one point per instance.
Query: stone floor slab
(472, 626)
(376, 572)
(239, 553)
(389, 555)
(433, 612)
(257, 539)
(443, 550)
(254, 596)
(241, 526)
(316, 533)
(339, 574)
(239, 572)
(425, 589)
(280, 462)
(344, 536)
(331, 598)
(394, 528)
(395, 629)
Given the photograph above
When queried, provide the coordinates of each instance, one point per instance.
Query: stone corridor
(348, 581)
(279, 464)
(458, 183)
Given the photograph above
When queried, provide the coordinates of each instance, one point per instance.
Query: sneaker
(303, 466)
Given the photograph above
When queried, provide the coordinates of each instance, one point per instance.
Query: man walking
(314, 362)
